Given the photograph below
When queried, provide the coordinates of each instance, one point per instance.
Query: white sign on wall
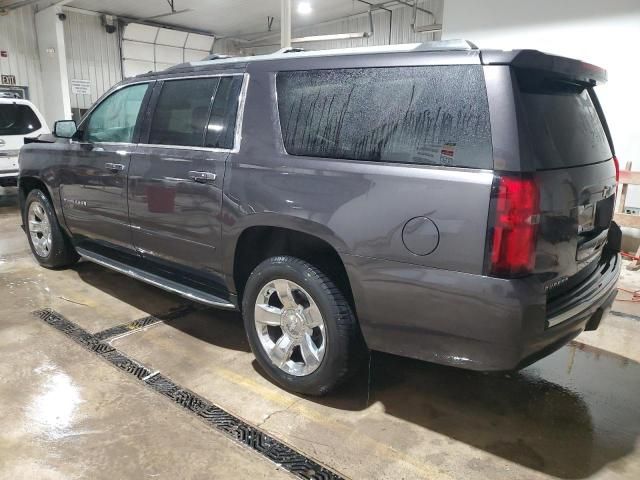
(80, 87)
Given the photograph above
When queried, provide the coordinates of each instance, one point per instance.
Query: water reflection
(52, 411)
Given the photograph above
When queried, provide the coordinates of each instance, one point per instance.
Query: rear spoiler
(561, 67)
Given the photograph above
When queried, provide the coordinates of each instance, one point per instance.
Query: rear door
(575, 170)
(176, 177)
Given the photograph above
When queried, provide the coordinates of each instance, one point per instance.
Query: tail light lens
(513, 244)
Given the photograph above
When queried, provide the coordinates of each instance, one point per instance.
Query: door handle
(114, 167)
(202, 177)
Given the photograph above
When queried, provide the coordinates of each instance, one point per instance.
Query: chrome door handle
(202, 177)
(114, 167)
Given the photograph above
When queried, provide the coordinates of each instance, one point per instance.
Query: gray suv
(434, 201)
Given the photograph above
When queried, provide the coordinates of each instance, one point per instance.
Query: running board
(156, 280)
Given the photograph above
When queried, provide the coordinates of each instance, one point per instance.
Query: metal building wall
(150, 49)
(18, 39)
(389, 28)
(93, 55)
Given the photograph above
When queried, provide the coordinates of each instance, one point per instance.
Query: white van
(18, 119)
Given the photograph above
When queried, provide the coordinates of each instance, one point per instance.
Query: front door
(176, 178)
(94, 182)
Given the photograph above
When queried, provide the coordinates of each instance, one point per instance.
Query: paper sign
(80, 87)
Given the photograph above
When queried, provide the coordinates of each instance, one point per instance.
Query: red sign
(4, 53)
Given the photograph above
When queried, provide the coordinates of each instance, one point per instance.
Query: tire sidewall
(337, 344)
(57, 253)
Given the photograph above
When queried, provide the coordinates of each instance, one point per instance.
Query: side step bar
(156, 280)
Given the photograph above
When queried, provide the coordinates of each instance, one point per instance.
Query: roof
(19, 101)
(436, 46)
(531, 59)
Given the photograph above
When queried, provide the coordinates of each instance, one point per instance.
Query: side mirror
(64, 128)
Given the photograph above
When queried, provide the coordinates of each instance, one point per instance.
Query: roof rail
(454, 44)
(215, 56)
(289, 50)
(441, 45)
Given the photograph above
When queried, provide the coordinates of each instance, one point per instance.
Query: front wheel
(300, 327)
(49, 245)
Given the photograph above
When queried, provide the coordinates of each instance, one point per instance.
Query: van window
(435, 115)
(17, 119)
(182, 111)
(114, 120)
(564, 127)
(222, 121)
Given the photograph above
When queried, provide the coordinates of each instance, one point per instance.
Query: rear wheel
(49, 245)
(300, 327)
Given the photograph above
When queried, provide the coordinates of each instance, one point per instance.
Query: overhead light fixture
(304, 8)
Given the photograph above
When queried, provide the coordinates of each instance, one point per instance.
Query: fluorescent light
(304, 8)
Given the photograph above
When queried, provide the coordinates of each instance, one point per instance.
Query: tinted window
(182, 111)
(425, 115)
(17, 119)
(114, 120)
(564, 126)
(222, 122)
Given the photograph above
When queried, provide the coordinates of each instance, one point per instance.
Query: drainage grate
(276, 451)
(172, 314)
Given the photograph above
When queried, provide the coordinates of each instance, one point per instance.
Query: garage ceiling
(224, 17)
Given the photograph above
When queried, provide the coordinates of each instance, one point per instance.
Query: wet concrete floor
(67, 414)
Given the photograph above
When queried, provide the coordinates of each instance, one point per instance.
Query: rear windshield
(564, 127)
(435, 115)
(17, 119)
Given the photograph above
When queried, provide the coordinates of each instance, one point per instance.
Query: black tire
(61, 253)
(344, 347)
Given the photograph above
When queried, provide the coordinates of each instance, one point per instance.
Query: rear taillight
(513, 244)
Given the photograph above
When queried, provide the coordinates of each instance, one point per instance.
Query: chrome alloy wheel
(39, 229)
(290, 327)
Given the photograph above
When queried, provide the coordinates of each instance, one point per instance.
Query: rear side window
(17, 119)
(222, 121)
(564, 127)
(435, 115)
(182, 111)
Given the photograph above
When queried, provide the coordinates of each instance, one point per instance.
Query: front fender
(38, 162)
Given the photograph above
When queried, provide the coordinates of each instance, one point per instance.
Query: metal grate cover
(276, 451)
(172, 314)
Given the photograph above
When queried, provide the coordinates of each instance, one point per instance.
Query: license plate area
(8, 163)
(586, 218)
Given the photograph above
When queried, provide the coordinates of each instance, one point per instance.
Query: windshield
(17, 119)
(564, 127)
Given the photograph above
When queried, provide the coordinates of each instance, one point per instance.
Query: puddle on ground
(568, 415)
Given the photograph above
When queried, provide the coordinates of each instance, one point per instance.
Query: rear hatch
(16, 121)
(568, 147)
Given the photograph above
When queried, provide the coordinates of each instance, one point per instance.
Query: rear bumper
(471, 321)
(8, 170)
(8, 179)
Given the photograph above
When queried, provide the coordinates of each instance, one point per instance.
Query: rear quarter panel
(360, 208)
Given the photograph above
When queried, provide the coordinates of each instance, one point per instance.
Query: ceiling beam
(145, 22)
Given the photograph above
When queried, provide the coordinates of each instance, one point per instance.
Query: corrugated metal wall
(18, 39)
(92, 54)
(399, 31)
